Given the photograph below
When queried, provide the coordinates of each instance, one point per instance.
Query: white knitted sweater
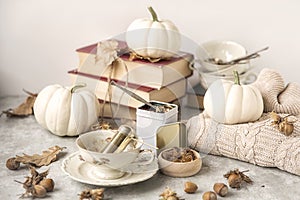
(257, 142)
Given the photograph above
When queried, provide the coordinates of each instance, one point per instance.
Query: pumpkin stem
(153, 14)
(75, 87)
(236, 77)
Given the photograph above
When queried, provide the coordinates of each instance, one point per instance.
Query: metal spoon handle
(137, 97)
(247, 57)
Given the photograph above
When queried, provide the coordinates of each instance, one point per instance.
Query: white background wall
(38, 38)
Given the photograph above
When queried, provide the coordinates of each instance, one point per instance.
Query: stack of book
(164, 80)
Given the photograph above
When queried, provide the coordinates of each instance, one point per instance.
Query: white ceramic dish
(86, 172)
(223, 50)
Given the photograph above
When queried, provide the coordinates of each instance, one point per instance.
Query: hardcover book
(99, 85)
(141, 72)
(113, 110)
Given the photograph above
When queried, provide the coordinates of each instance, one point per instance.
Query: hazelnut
(39, 191)
(286, 128)
(221, 189)
(190, 187)
(12, 164)
(48, 184)
(235, 180)
(209, 196)
(172, 198)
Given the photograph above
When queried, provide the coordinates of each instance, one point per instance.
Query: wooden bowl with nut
(179, 162)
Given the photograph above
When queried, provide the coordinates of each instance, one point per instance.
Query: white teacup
(90, 143)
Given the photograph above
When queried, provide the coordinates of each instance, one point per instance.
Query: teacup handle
(147, 159)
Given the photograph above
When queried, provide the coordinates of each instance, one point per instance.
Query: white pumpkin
(229, 102)
(153, 38)
(66, 111)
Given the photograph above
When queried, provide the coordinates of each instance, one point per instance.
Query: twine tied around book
(107, 55)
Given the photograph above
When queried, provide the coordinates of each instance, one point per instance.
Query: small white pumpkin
(229, 102)
(153, 38)
(66, 111)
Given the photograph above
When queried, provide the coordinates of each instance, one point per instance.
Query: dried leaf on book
(37, 160)
(24, 109)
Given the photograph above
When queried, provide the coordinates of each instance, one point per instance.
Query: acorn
(190, 187)
(221, 189)
(12, 164)
(47, 183)
(210, 195)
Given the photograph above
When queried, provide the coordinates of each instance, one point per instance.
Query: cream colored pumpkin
(229, 102)
(153, 38)
(66, 111)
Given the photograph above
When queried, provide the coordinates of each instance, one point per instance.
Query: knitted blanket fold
(259, 142)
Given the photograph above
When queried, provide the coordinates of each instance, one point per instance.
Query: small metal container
(147, 122)
(171, 135)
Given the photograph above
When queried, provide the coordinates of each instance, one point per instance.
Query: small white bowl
(224, 50)
(180, 169)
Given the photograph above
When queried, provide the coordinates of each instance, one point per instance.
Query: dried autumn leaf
(45, 159)
(168, 194)
(93, 194)
(24, 109)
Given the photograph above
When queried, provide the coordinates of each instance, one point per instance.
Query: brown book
(141, 72)
(117, 111)
(112, 110)
(99, 86)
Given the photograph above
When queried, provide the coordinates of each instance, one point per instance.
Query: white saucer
(87, 173)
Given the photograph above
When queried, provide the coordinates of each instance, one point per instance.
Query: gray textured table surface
(24, 135)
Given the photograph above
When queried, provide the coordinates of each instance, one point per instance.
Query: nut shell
(286, 128)
(235, 180)
(48, 184)
(12, 164)
(210, 195)
(190, 187)
(172, 198)
(39, 191)
(221, 189)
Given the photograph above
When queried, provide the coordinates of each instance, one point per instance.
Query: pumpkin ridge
(49, 112)
(72, 120)
(167, 36)
(40, 115)
(87, 98)
(68, 94)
